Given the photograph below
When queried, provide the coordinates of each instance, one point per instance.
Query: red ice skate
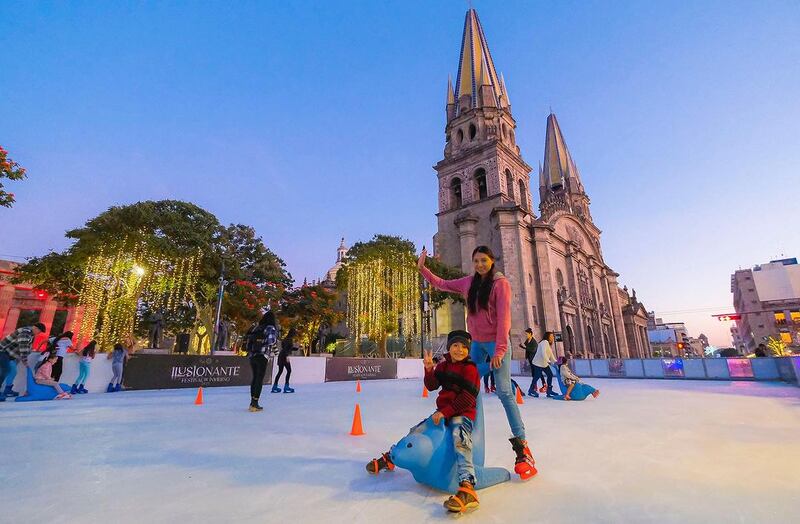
(524, 465)
(377, 465)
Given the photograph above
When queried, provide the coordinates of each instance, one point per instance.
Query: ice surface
(645, 451)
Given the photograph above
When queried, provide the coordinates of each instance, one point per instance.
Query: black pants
(283, 363)
(58, 368)
(258, 363)
(5, 367)
(486, 377)
(533, 373)
(537, 374)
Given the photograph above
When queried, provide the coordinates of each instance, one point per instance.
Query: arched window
(559, 278)
(510, 185)
(459, 136)
(570, 341)
(480, 183)
(455, 193)
(472, 131)
(590, 333)
(523, 195)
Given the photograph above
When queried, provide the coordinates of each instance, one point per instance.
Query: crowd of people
(28, 347)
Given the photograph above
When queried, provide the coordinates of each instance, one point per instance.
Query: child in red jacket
(458, 377)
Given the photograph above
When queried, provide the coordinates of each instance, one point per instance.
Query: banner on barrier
(188, 371)
(616, 367)
(345, 368)
(740, 368)
(673, 367)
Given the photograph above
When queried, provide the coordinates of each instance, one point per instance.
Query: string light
(123, 283)
(383, 297)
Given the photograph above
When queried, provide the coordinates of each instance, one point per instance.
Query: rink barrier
(786, 369)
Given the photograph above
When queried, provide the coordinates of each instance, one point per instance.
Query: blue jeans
(461, 431)
(502, 375)
(83, 372)
(4, 369)
(12, 373)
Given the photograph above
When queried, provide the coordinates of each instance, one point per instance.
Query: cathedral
(552, 256)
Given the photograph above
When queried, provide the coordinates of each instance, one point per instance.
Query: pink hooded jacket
(492, 325)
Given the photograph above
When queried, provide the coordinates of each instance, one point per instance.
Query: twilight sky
(317, 120)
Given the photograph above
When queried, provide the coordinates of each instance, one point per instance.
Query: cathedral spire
(559, 168)
(474, 58)
(450, 96)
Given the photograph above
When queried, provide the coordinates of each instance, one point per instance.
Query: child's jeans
(83, 373)
(461, 430)
(478, 353)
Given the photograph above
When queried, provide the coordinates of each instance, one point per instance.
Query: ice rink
(645, 451)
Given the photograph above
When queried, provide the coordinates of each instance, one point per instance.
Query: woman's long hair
(481, 288)
(89, 350)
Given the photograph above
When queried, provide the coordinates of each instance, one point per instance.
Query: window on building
(510, 185)
(455, 193)
(472, 131)
(795, 316)
(535, 316)
(59, 322)
(480, 182)
(559, 278)
(523, 195)
(459, 136)
(28, 317)
(786, 338)
(780, 319)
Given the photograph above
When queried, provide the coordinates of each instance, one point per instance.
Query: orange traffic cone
(357, 429)
(519, 396)
(358, 386)
(198, 401)
(424, 392)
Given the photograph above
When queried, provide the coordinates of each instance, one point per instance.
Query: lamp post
(222, 282)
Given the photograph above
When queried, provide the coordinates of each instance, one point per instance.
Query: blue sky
(317, 120)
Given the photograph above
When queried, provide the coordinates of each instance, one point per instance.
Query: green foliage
(385, 247)
(306, 309)
(173, 229)
(440, 269)
(12, 171)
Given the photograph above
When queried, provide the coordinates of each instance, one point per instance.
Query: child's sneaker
(63, 396)
(524, 465)
(464, 500)
(377, 465)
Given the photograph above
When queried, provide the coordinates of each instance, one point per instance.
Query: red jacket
(460, 385)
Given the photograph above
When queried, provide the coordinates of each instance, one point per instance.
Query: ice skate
(379, 464)
(524, 465)
(74, 390)
(287, 389)
(82, 389)
(254, 407)
(110, 388)
(10, 392)
(275, 389)
(464, 500)
(596, 393)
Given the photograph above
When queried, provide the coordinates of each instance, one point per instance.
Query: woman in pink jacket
(488, 296)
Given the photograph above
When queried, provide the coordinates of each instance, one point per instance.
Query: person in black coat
(287, 346)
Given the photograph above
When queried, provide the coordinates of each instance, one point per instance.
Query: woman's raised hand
(422, 257)
(427, 359)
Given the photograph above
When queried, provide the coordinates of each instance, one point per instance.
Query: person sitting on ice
(44, 376)
(569, 378)
(458, 377)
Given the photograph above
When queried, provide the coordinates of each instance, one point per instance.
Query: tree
(383, 289)
(169, 231)
(441, 269)
(307, 309)
(12, 171)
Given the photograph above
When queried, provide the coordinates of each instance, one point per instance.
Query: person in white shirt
(541, 363)
(62, 344)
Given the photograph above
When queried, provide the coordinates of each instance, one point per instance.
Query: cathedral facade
(552, 256)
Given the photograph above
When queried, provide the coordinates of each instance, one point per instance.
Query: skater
(60, 345)
(530, 350)
(287, 346)
(44, 376)
(118, 358)
(257, 342)
(488, 297)
(458, 377)
(85, 364)
(541, 363)
(16, 347)
(570, 379)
